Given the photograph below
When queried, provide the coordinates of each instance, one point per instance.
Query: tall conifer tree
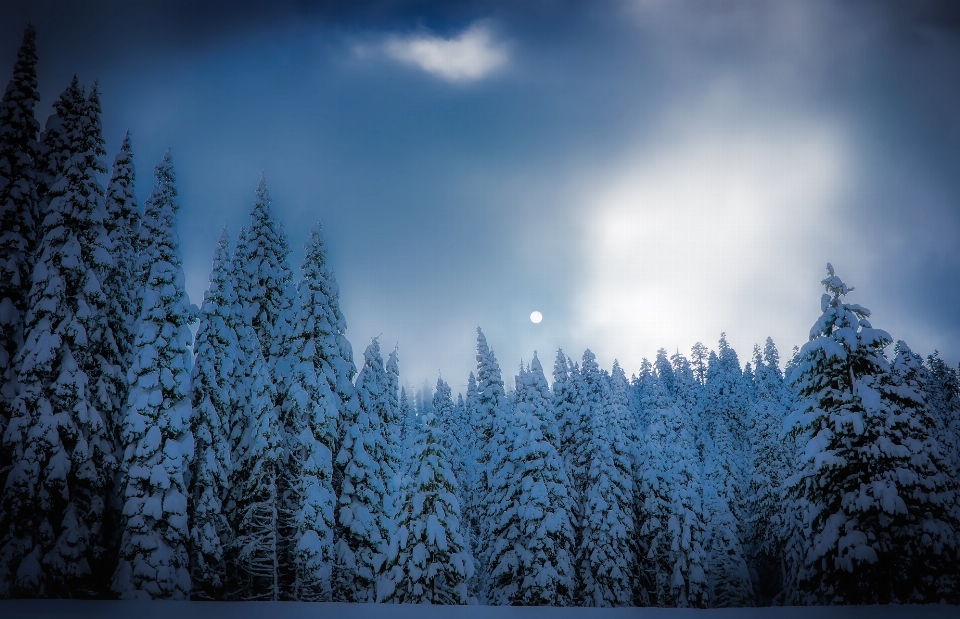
(52, 509)
(156, 433)
(213, 397)
(18, 198)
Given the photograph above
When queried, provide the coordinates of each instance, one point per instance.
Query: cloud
(720, 224)
(471, 56)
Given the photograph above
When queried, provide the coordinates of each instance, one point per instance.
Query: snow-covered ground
(55, 609)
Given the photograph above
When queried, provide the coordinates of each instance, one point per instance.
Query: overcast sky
(646, 174)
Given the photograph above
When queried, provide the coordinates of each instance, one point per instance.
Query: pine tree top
(17, 122)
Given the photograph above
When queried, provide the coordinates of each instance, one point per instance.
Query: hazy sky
(644, 173)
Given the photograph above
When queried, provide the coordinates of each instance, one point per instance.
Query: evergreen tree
(768, 465)
(489, 419)
(256, 452)
(267, 298)
(921, 545)
(533, 563)
(363, 528)
(392, 425)
(311, 410)
(725, 448)
(213, 397)
(123, 225)
(607, 553)
(431, 564)
(18, 197)
(55, 152)
(157, 438)
(866, 470)
(58, 438)
(408, 425)
(671, 532)
(942, 396)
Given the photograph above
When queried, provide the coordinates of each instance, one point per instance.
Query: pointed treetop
(263, 196)
(126, 146)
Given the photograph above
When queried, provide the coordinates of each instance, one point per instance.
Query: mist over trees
(257, 462)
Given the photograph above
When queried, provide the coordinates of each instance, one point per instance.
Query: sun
(536, 317)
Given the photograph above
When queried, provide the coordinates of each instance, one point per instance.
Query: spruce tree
(123, 226)
(671, 531)
(942, 396)
(392, 425)
(362, 532)
(724, 418)
(268, 295)
(311, 411)
(533, 562)
(256, 451)
(431, 564)
(489, 420)
(52, 509)
(18, 197)
(768, 465)
(156, 434)
(865, 472)
(213, 397)
(606, 557)
(922, 544)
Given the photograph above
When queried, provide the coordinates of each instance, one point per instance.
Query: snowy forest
(152, 449)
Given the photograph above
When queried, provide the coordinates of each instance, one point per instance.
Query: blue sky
(644, 173)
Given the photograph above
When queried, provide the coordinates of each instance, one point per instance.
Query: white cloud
(471, 56)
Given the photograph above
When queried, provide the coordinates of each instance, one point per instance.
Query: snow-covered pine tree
(533, 563)
(109, 373)
(431, 564)
(54, 150)
(123, 227)
(52, 509)
(392, 425)
(312, 412)
(921, 544)
(489, 419)
(942, 396)
(572, 425)
(268, 295)
(18, 198)
(256, 454)
(460, 458)
(639, 387)
(725, 409)
(213, 397)
(158, 442)
(671, 531)
(122, 224)
(861, 478)
(768, 465)
(573, 436)
(443, 408)
(606, 557)
(363, 527)
(408, 424)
